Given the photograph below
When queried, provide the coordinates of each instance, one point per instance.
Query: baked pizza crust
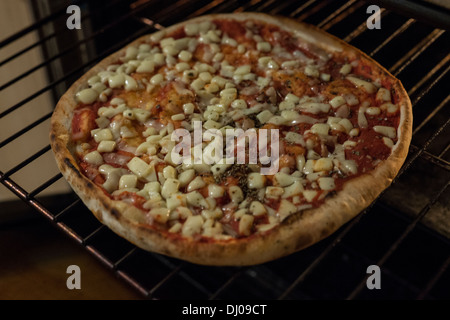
(296, 232)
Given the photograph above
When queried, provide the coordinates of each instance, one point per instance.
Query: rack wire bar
(400, 239)
(23, 195)
(395, 34)
(72, 47)
(322, 256)
(415, 52)
(235, 276)
(434, 280)
(420, 10)
(36, 25)
(154, 18)
(363, 27)
(76, 71)
(25, 130)
(60, 214)
(25, 162)
(429, 75)
(348, 8)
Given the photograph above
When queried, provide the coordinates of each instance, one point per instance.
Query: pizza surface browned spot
(231, 139)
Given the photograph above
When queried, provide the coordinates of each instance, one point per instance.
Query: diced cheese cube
(312, 71)
(176, 228)
(146, 66)
(116, 80)
(176, 200)
(103, 134)
(366, 85)
(383, 94)
(185, 55)
(263, 46)
(264, 116)
(284, 179)
(286, 209)
(139, 167)
(389, 107)
(256, 180)
(195, 184)
(212, 214)
(192, 225)
(106, 146)
(354, 132)
(325, 77)
(219, 168)
(292, 98)
(294, 189)
(170, 187)
(294, 137)
(160, 215)
(246, 224)
(211, 124)
(257, 208)
(278, 120)
(309, 166)
(337, 101)
(323, 164)
(112, 177)
(388, 142)
(197, 84)
(290, 115)
(320, 128)
(186, 176)
(235, 194)
(128, 181)
(300, 161)
(274, 192)
(239, 104)
(188, 108)
(309, 195)
(180, 213)
(196, 199)
(191, 29)
(346, 124)
(169, 172)
(389, 132)
(345, 69)
(349, 144)
(241, 70)
(287, 105)
(94, 158)
(348, 166)
(87, 96)
(326, 183)
(315, 107)
(157, 79)
(215, 191)
(126, 132)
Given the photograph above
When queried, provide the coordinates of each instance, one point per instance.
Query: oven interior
(405, 231)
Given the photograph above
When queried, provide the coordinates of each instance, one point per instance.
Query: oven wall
(14, 16)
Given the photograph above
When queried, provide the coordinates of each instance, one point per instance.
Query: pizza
(231, 139)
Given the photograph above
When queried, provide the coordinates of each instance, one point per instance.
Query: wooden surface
(34, 257)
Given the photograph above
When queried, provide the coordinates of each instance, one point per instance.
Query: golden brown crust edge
(297, 232)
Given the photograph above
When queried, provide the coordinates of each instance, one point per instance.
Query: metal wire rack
(403, 231)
